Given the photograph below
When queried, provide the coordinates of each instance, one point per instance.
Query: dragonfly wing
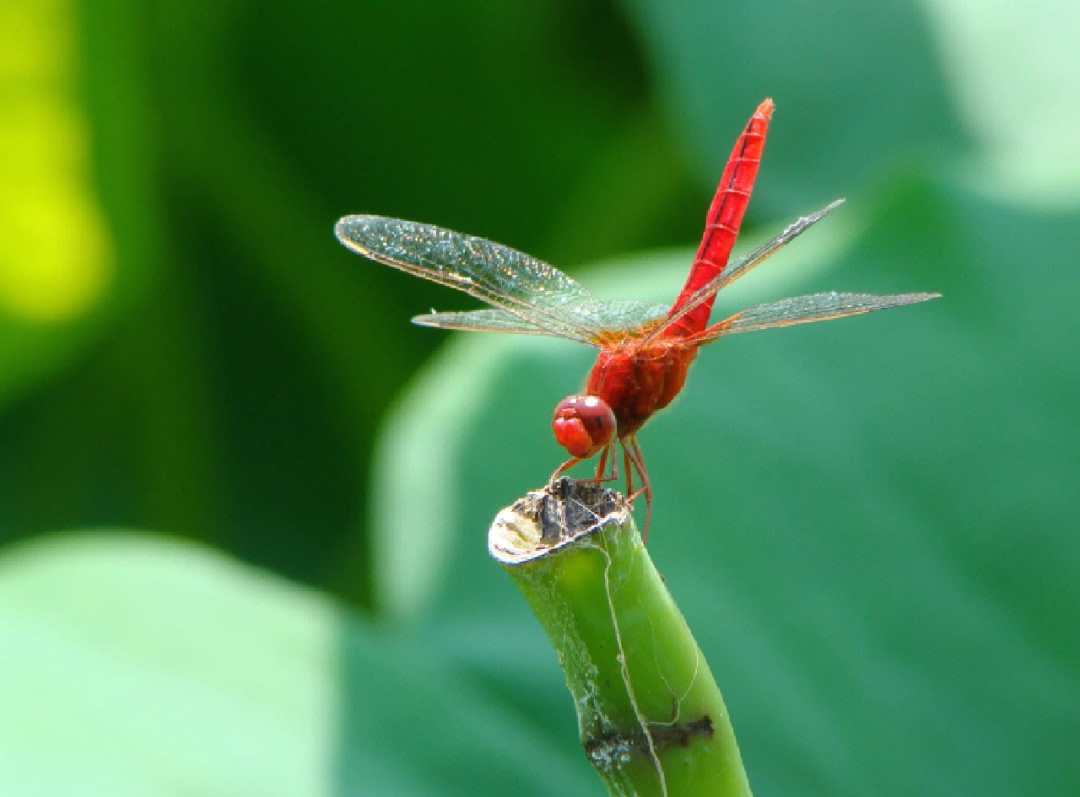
(740, 266)
(613, 317)
(533, 291)
(621, 316)
(736, 268)
(807, 309)
(480, 320)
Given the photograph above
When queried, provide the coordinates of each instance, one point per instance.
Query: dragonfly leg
(600, 476)
(629, 470)
(565, 466)
(601, 465)
(633, 450)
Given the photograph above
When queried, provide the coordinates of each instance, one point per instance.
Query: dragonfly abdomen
(722, 222)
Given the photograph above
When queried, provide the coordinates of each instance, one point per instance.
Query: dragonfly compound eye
(583, 425)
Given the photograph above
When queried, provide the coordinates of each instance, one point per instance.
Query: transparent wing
(612, 317)
(537, 295)
(622, 316)
(479, 320)
(807, 309)
(736, 268)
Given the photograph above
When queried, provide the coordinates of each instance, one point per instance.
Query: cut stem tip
(550, 518)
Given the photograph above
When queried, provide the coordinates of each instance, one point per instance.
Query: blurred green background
(243, 502)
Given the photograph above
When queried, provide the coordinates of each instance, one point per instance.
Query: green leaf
(858, 89)
(135, 664)
(1019, 110)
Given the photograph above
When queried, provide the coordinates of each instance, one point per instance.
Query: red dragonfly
(645, 350)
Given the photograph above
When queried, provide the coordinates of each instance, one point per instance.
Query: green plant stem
(650, 715)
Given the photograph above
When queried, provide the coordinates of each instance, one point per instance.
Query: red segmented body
(723, 220)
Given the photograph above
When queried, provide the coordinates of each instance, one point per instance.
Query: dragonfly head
(583, 425)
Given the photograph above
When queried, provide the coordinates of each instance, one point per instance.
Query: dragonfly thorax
(635, 383)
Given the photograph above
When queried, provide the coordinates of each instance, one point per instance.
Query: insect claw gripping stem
(600, 477)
